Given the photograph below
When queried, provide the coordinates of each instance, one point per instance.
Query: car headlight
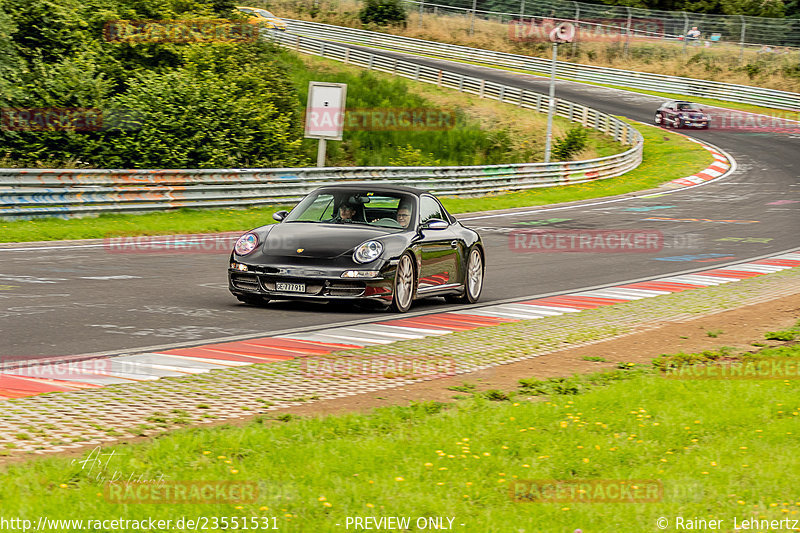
(246, 244)
(367, 252)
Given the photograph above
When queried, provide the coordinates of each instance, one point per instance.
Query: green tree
(382, 12)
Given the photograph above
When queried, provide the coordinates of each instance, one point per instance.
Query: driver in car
(346, 213)
(404, 215)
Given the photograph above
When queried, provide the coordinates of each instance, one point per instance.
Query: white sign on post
(325, 114)
(325, 110)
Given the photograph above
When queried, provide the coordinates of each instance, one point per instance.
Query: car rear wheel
(403, 290)
(473, 279)
(676, 123)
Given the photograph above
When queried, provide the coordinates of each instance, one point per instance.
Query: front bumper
(320, 283)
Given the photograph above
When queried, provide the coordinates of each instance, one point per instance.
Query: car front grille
(339, 288)
(248, 282)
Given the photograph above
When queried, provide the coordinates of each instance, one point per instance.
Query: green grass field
(717, 449)
(666, 157)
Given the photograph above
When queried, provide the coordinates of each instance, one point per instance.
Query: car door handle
(453, 244)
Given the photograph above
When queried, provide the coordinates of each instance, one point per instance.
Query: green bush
(163, 104)
(572, 143)
(382, 12)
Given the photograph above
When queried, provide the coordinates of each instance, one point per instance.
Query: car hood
(323, 241)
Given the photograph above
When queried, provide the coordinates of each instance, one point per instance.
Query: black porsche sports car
(360, 242)
(679, 114)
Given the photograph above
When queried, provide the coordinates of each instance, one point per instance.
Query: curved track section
(61, 299)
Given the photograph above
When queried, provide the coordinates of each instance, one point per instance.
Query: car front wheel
(659, 119)
(473, 279)
(403, 293)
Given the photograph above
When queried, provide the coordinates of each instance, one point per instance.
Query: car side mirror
(435, 224)
(280, 215)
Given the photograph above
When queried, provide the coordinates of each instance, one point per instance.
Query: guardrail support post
(521, 97)
(461, 84)
(369, 63)
(483, 86)
(394, 68)
(585, 120)
(347, 56)
(439, 79)
(416, 73)
(297, 43)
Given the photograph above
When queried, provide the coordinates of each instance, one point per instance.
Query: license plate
(290, 287)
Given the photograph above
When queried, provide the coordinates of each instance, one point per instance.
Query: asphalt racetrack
(68, 298)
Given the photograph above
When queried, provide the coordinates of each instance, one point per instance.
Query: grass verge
(716, 447)
(666, 157)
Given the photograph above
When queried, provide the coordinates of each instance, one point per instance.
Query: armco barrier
(575, 71)
(30, 193)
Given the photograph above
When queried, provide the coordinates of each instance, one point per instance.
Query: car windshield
(688, 107)
(265, 13)
(356, 207)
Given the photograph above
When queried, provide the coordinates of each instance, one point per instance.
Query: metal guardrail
(29, 193)
(604, 75)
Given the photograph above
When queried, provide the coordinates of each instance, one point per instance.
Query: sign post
(563, 33)
(325, 114)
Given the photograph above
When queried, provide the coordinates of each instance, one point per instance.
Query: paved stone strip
(30, 381)
(719, 167)
(202, 390)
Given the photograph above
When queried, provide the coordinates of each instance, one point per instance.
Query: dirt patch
(737, 328)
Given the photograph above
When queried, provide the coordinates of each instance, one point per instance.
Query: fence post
(627, 33)
(685, 30)
(577, 27)
(346, 56)
(472, 20)
(483, 86)
(741, 40)
(369, 63)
